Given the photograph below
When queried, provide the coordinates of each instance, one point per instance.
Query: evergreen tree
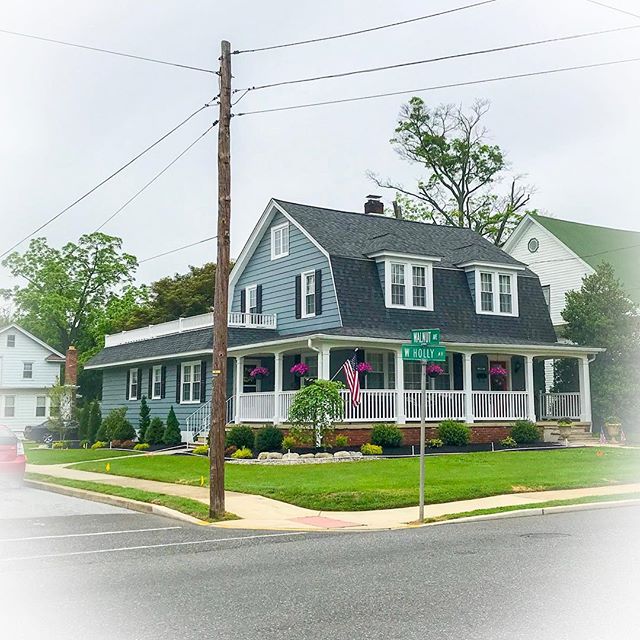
(144, 421)
(95, 420)
(155, 432)
(83, 422)
(172, 434)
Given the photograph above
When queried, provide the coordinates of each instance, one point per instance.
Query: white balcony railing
(235, 319)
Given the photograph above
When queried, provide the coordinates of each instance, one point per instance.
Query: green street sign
(425, 337)
(419, 352)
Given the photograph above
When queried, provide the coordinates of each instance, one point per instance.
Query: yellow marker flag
(202, 481)
(108, 467)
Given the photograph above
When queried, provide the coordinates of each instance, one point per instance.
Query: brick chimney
(71, 367)
(374, 205)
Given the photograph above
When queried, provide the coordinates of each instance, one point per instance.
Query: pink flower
(259, 372)
(364, 367)
(434, 370)
(498, 372)
(299, 369)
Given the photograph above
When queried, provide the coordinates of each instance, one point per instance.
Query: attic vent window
(533, 245)
(11, 340)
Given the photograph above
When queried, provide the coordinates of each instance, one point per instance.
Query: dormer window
(11, 340)
(280, 241)
(494, 288)
(398, 290)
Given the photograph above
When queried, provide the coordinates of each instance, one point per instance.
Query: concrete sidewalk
(258, 512)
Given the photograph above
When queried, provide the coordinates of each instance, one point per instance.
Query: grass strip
(193, 508)
(36, 455)
(534, 505)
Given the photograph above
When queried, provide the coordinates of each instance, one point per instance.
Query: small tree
(83, 422)
(95, 420)
(116, 427)
(144, 420)
(317, 406)
(63, 411)
(155, 432)
(172, 435)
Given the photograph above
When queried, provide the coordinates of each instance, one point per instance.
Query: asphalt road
(74, 569)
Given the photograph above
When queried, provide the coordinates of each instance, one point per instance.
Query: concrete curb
(540, 511)
(115, 501)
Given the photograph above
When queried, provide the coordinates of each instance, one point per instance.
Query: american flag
(353, 380)
(603, 438)
(623, 437)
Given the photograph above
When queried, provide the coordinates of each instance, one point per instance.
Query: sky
(72, 116)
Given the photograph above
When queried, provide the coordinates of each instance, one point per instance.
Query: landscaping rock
(355, 454)
(323, 455)
(263, 456)
(290, 456)
(275, 455)
(341, 454)
(307, 455)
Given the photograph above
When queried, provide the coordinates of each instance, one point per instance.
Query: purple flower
(259, 372)
(299, 369)
(364, 367)
(498, 372)
(434, 370)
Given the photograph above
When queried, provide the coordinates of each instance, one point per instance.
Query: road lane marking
(81, 535)
(153, 546)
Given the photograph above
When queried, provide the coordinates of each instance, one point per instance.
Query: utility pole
(220, 310)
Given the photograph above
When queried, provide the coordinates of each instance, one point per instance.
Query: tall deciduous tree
(462, 170)
(601, 314)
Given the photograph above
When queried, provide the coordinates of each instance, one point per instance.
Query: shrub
(98, 444)
(240, 437)
(201, 450)
(144, 420)
(288, 442)
(342, 441)
(454, 433)
(242, 454)
(302, 437)
(83, 422)
(369, 449)
(155, 432)
(84, 444)
(386, 435)
(434, 443)
(269, 439)
(141, 446)
(172, 434)
(116, 444)
(116, 427)
(525, 432)
(229, 451)
(60, 444)
(127, 444)
(508, 442)
(95, 420)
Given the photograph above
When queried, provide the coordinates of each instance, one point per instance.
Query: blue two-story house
(314, 285)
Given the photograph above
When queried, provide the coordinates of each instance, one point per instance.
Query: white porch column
(277, 387)
(324, 363)
(467, 385)
(237, 418)
(399, 364)
(585, 389)
(529, 388)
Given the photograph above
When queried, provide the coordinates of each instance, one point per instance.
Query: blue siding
(277, 278)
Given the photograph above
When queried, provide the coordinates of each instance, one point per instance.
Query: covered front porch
(465, 390)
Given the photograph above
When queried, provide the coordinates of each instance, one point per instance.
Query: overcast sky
(71, 117)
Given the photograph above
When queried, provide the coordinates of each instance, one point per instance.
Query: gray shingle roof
(355, 235)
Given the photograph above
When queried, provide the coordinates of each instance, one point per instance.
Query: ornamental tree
(144, 420)
(172, 434)
(317, 406)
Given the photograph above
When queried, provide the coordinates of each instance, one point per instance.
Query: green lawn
(383, 484)
(63, 456)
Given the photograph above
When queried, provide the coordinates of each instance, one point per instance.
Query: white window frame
(45, 407)
(495, 274)
(546, 294)
(25, 370)
(11, 338)
(311, 360)
(303, 293)
(409, 284)
(251, 290)
(157, 369)
(283, 231)
(192, 382)
(5, 407)
(385, 366)
(132, 384)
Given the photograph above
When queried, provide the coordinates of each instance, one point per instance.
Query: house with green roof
(562, 253)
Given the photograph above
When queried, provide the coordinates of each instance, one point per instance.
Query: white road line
(153, 546)
(82, 535)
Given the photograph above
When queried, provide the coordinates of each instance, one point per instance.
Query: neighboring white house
(28, 369)
(562, 253)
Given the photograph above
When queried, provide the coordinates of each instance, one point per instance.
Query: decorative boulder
(341, 454)
(263, 455)
(323, 455)
(355, 454)
(307, 455)
(290, 456)
(274, 455)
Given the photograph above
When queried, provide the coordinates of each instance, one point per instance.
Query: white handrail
(560, 405)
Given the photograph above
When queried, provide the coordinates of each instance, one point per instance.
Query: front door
(499, 383)
(249, 384)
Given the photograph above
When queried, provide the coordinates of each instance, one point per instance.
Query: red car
(12, 459)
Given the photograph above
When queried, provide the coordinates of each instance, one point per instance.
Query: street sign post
(425, 354)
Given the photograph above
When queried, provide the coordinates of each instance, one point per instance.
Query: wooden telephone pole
(220, 310)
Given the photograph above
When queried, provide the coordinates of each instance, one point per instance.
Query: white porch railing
(500, 405)
(560, 405)
(256, 407)
(440, 405)
(375, 404)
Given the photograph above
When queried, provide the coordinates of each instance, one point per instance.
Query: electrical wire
(148, 184)
(361, 31)
(186, 246)
(100, 50)
(608, 6)
(587, 255)
(441, 86)
(453, 56)
(96, 187)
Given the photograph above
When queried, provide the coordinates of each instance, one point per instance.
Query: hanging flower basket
(259, 372)
(364, 368)
(498, 372)
(299, 369)
(434, 370)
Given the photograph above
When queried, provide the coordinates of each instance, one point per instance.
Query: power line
(115, 173)
(608, 6)
(186, 246)
(436, 87)
(361, 31)
(466, 54)
(135, 195)
(587, 255)
(114, 53)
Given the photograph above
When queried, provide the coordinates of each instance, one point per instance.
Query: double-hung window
(398, 291)
(486, 291)
(506, 301)
(27, 370)
(9, 406)
(156, 389)
(41, 406)
(191, 382)
(280, 241)
(308, 294)
(252, 299)
(419, 275)
(134, 384)
(11, 340)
